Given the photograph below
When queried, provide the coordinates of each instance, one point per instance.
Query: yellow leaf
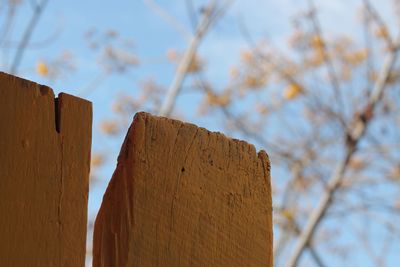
(317, 43)
(42, 69)
(288, 215)
(195, 65)
(292, 91)
(357, 163)
(291, 69)
(317, 58)
(117, 107)
(97, 160)
(296, 38)
(234, 72)
(381, 32)
(395, 173)
(346, 73)
(218, 100)
(246, 56)
(357, 57)
(262, 109)
(172, 54)
(373, 76)
(109, 127)
(252, 81)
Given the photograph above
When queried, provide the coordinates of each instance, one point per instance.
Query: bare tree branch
(192, 14)
(38, 10)
(186, 60)
(353, 136)
(316, 257)
(168, 18)
(327, 59)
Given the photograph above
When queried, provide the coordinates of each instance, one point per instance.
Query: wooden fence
(180, 195)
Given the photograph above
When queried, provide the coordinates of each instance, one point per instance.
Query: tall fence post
(44, 168)
(184, 196)
(180, 196)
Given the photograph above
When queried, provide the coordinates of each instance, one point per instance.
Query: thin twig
(168, 18)
(290, 78)
(5, 30)
(94, 83)
(191, 13)
(37, 44)
(353, 136)
(316, 257)
(38, 10)
(368, 44)
(327, 59)
(188, 57)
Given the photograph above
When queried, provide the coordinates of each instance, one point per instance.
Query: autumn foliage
(324, 105)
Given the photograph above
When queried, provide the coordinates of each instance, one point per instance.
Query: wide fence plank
(184, 196)
(44, 169)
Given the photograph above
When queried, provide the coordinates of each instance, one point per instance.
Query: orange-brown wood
(184, 196)
(44, 170)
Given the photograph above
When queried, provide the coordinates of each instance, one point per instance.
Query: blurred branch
(4, 31)
(372, 252)
(168, 18)
(288, 77)
(327, 59)
(37, 44)
(293, 225)
(245, 129)
(192, 14)
(353, 135)
(368, 43)
(283, 239)
(316, 257)
(377, 18)
(94, 83)
(38, 10)
(188, 57)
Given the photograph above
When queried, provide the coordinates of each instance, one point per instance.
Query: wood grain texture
(44, 170)
(184, 196)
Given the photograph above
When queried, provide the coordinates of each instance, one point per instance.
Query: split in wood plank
(44, 169)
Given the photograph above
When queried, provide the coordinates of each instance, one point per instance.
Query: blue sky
(152, 37)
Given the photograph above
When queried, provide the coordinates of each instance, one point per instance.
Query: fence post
(184, 196)
(44, 169)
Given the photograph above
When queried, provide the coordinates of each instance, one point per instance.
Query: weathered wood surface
(44, 169)
(184, 196)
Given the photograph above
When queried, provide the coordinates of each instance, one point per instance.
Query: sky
(68, 21)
